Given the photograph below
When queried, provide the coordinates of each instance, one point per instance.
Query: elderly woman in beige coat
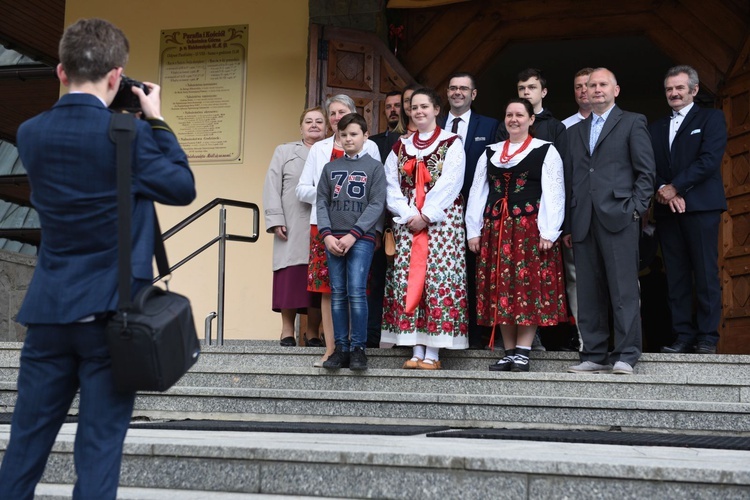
(289, 220)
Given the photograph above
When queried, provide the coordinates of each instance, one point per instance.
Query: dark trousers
(607, 267)
(476, 332)
(375, 298)
(56, 361)
(689, 244)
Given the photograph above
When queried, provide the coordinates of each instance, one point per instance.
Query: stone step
(241, 355)
(259, 381)
(559, 384)
(455, 409)
(65, 492)
(377, 466)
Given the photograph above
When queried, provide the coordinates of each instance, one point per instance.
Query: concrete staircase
(261, 381)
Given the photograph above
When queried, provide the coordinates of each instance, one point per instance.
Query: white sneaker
(590, 367)
(622, 368)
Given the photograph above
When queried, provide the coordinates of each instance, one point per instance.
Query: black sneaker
(520, 364)
(703, 347)
(358, 359)
(520, 361)
(503, 364)
(339, 359)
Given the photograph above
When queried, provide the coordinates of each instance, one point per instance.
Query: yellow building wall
(276, 79)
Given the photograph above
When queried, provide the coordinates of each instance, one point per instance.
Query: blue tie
(596, 129)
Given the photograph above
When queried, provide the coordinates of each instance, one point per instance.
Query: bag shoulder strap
(122, 132)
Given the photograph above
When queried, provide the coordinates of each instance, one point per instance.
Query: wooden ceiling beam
(478, 59)
(741, 63)
(693, 31)
(672, 44)
(481, 49)
(446, 28)
(512, 11)
(16, 105)
(719, 19)
(33, 27)
(451, 59)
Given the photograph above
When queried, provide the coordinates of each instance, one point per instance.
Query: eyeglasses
(463, 90)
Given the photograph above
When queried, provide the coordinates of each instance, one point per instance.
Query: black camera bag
(152, 340)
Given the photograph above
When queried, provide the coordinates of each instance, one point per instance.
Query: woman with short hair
(288, 219)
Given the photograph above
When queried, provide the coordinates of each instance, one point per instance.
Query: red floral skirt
(317, 268)
(516, 283)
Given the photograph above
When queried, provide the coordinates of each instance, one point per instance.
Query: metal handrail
(221, 239)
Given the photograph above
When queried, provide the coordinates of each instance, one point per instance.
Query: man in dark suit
(70, 161)
(477, 132)
(392, 109)
(610, 176)
(385, 142)
(688, 148)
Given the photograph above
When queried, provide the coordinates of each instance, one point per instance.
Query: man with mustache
(392, 111)
(689, 199)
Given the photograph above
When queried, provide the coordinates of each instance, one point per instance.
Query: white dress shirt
(677, 118)
(463, 125)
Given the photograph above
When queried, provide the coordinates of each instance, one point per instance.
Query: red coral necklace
(505, 157)
(420, 144)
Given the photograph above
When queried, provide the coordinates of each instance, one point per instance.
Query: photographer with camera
(70, 161)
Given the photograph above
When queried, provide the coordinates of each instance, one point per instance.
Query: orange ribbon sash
(418, 258)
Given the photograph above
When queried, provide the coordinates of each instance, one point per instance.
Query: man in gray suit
(610, 176)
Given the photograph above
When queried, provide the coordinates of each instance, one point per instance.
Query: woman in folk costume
(323, 152)
(513, 218)
(425, 293)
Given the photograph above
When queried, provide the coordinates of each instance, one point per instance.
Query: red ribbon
(418, 258)
(503, 216)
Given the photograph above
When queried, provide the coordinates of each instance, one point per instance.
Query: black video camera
(125, 99)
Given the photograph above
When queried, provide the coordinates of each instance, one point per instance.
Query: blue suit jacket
(480, 134)
(70, 161)
(693, 165)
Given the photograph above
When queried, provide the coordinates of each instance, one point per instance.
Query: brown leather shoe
(429, 364)
(411, 364)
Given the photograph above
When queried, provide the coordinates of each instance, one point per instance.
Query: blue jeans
(349, 294)
(57, 361)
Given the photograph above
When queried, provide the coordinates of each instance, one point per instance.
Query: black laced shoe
(358, 359)
(520, 361)
(503, 364)
(339, 359)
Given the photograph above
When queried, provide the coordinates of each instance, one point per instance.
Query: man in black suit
(385, 142)
(688, 148)
(392, 109)
(477, 132)
(609, 171)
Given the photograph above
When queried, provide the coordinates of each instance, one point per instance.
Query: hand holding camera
(138, 97)
(150, 100)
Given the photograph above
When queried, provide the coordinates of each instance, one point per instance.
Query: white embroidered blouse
(443, 193)
(551, 206)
